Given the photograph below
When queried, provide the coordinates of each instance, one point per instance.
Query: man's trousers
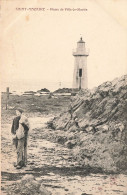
(20, 152)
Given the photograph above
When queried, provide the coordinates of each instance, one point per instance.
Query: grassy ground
(33, 105)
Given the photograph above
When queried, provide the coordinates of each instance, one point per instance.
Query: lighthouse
(80, 66)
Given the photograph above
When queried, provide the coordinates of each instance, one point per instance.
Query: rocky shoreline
(95, 127)
(82, 150)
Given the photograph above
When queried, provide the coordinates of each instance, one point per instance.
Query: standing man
(20, 128)
(25, 123)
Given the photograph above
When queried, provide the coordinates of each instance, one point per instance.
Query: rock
(70, 144)
(43, 191)
(27, 185)
(61, 139)
(28, 178)
(101, 117)
(61, 122)
(90, 128)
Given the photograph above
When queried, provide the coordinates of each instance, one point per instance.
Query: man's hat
(20, 110)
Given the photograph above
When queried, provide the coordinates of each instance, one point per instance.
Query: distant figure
(70, 109)
(20, 128)
(50, 96)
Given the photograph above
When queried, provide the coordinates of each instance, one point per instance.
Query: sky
(37, 45)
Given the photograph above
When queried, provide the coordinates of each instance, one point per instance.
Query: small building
(27, 93)
(43, 91)
(62, 94)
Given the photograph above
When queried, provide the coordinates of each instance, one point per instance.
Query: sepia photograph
(63, 73)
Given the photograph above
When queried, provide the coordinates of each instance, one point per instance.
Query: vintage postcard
(63, 72)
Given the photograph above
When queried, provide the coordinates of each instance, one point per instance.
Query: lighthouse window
(80, 72)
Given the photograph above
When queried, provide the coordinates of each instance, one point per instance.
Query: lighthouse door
(80, 75)
(80, 72)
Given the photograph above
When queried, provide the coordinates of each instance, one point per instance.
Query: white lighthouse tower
(80, 66)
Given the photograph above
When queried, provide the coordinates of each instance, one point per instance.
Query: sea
(22, 86)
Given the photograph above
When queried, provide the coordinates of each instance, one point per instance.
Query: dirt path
(52, 164)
